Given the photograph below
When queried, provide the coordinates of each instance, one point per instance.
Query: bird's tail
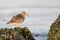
(7, 22)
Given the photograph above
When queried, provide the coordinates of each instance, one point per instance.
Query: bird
(18, 19)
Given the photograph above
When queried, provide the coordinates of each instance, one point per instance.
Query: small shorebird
(18, 19)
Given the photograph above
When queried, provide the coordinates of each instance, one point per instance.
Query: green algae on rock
(16, 33)
(54, 32)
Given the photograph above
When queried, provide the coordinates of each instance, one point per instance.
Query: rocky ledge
(16, 33)
(54, 32)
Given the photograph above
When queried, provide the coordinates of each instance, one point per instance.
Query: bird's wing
(19, 20)
(13, 19)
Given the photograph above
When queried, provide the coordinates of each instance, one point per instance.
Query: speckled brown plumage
(18, 18)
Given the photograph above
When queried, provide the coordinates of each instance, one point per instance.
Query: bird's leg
(17, 25)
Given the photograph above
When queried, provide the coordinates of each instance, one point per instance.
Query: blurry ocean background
(42, 13)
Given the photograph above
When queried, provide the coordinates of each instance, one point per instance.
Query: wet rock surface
(16, 33)
(54, 32)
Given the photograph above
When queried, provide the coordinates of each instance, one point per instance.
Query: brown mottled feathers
(17, 19)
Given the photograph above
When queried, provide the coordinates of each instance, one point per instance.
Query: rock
(54, 32)
(16, 33)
